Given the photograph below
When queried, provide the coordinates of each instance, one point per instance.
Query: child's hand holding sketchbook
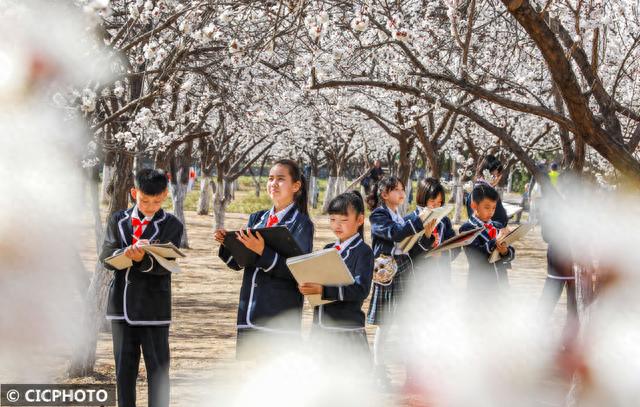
(164, 253)
(513, 235)
(428, 217)
(459, 240)
(324, 267)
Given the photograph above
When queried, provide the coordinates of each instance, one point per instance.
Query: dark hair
(554, 166)
(351, 199)
(429, 188)
(300, 197)
(386, 184)
(491, 163)
(482, 191)
(151, 181)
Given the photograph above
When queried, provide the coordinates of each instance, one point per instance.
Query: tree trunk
(257, 182)
(314, 191)
(457, 192)
(121, 182)
(579, 156)
(178, 188)
(107, 175)
(204, 201)
(510, 182)
(84, 359)
(405, 205)
(220, 201)
(404, 166)
(330, 193)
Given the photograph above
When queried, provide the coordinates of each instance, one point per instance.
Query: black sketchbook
(278, 238)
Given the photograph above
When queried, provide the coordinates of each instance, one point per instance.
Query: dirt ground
(205, 298)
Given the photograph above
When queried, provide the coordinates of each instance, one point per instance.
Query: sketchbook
(427, 215)
(278, 238)
(164, 253)
(324, 267)
(514, 235)
(459, 240)
(511, 209)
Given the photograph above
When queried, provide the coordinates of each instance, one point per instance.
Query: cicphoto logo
(57, 394)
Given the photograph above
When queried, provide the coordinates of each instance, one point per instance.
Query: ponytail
(300, 197)
(386, 184)
(360, 201)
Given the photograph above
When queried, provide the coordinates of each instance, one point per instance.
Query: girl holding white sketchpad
(339, 316)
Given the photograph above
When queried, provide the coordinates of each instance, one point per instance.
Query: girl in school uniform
(342, 320)
(270, 307)
(387, 229)
(431, 195)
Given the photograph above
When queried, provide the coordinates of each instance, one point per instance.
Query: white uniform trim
(155, 224)
(560, 277)
(275, 260)
(333, 328)
(248, 316)
(351, 247)
(120, 223)
(126, 277)
(150, 267)
(344, 245)
(281, 216)
(480, 223)
(249, 324)
(124, 306)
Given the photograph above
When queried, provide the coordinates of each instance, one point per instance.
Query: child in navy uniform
(270, 304)
(484, 276)
(431, 195)
(343, 319)
(387, 229)
(140, 297)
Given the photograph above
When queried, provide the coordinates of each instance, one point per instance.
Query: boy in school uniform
(484, 276)
(139, 304)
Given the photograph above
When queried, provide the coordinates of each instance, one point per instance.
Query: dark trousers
(128, 340)
(551, 294)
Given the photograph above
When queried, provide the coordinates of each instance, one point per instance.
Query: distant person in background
(192, 179)
(373, 177)
(553, 174)
(490, 174)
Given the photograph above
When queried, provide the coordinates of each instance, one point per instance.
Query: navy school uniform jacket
(482, 274)
(141, 294)
(268, 288)
(346, 310)
(386, 232)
